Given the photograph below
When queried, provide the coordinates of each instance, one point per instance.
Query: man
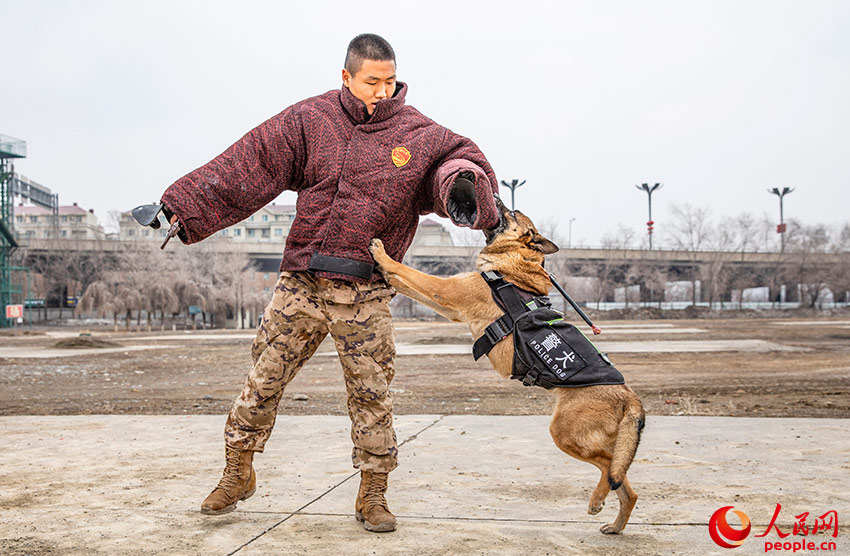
(364, 165)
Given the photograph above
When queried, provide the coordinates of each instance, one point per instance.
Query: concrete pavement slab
(811, 322)
(465, 485)
(693, 346)
(612, 331)
(608, 346)
(192, 337)
(51, 353)
(330, 534)
(112, 531)
(179, 337)
(686, 467)
(609, 324)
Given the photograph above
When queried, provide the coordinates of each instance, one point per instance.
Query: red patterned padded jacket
(357, 178)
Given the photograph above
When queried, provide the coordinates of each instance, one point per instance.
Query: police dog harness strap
(548, 351)
(508, 297)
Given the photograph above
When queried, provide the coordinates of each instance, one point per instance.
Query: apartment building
(269, 224)
(71, 222)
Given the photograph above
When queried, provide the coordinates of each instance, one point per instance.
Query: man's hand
(175, 229)
(461, 204)
(148, 215)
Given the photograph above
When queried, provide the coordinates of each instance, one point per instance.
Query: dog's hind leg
(580, 430)
(564, 439)
(628, 499)
(626, 495)
(597, 498)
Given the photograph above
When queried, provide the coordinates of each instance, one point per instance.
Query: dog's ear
(543, 245)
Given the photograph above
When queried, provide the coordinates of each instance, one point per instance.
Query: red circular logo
(722, 533)
(400, 156)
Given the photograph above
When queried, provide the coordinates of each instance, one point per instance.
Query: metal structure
(780, 229)
(570, 240)
(35, 193)
(513, 187)
(10, 149)
(649, 222)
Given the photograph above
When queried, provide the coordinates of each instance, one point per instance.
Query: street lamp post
(570, 240)
(649, 223)
(513, 187)
(781, 228)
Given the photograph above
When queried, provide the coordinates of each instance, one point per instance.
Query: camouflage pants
(303, 310)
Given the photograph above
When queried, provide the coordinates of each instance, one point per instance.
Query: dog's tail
(628, 437)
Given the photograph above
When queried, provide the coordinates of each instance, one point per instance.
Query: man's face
(373, 82)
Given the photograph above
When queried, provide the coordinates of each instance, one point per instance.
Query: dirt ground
(203, 376)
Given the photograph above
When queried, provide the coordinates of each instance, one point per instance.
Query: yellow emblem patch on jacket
(401, 156)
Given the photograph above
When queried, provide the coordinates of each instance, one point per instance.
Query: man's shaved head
(367, 47)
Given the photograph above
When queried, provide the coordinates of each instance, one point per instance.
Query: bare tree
(102, 297)
(112, 222)
(623, 238)
(232, 273)
(160, 297)
(842, 241)
(840, 275)
(740, 234)
(690, 228)
(654, 280)
(51, 276)
(188, 293)
(810, 268)
(130, 297)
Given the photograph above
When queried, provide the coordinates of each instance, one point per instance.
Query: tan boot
(238, 482)
(371, 506)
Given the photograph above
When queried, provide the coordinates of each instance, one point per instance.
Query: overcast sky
(718, 100)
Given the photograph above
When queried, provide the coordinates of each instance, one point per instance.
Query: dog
(598, 424)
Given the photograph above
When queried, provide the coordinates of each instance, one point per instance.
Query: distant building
(269, 224)
(432, 234)
(71, 222)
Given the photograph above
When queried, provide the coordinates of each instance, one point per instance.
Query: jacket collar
(384, 110)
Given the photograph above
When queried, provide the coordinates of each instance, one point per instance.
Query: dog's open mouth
(491, 234)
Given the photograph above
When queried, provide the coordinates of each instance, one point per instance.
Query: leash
(596, 329)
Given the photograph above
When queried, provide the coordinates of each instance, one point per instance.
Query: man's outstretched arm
(240, 181)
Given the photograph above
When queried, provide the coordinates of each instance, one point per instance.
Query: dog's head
(516, 231)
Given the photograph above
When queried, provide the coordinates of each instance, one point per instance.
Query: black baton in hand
(596, 329)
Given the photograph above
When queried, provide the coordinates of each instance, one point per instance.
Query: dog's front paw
(595, 507)
(376, 248)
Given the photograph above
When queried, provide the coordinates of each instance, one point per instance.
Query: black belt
(341, 265)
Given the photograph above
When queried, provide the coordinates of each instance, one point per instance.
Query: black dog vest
(548, 351)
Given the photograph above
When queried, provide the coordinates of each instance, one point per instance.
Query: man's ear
(543, 245)
(346, 77)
